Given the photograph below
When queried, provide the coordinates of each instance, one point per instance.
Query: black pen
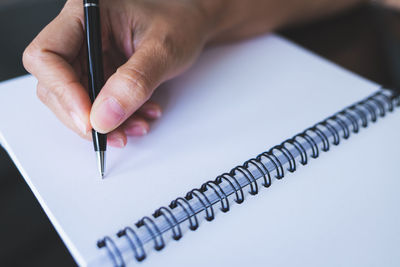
(96, 72)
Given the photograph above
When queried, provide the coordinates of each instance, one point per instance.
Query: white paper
(237, 101)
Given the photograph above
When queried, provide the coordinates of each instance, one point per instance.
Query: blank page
(235, 102)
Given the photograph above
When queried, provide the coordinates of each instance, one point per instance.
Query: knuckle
(172, 50)
(43, 94)
(60, 93)
(136, 82)
(166, 48)
(33, 57)
(72, 4)
(51, 96)
(29, 56)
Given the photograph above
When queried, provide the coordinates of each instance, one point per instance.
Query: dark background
(360, 40)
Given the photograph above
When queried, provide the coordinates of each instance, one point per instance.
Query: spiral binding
(303, 146)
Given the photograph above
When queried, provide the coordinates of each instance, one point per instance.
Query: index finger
(49, 58)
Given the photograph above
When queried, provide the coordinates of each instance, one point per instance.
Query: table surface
(352, 40)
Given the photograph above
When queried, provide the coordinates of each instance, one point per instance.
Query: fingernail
(116, 142)
(154, 113)
(137, 131)
(108, 115)
(79, 123)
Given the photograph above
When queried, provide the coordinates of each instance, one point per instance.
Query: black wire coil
(367, 110)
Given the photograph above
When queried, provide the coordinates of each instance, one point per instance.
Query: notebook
(289, 160)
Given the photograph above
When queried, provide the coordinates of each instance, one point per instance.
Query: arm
(238, 19)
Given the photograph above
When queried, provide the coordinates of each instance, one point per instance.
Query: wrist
(214, 15)
(386, 3)
(232, 20)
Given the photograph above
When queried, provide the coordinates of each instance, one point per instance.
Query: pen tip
(101, 162)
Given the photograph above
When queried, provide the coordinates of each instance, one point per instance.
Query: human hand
(144, 44)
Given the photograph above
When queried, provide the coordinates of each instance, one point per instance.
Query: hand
(145, 42)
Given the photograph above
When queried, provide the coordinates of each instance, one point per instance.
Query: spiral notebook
(316, 182)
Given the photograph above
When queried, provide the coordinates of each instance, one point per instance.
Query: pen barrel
(95, 61)
(94, 47)
(99, 141)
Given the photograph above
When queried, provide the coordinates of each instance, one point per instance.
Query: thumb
(129, 88)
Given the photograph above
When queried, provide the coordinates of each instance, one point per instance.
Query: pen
(95, 71)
